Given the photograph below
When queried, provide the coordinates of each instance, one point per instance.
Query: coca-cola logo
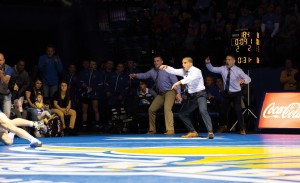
(290, 111)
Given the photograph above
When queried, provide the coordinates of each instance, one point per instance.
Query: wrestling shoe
(35, 143)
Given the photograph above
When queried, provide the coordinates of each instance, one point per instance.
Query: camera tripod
(246, 109)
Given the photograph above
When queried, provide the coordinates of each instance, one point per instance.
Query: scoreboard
(245, 45)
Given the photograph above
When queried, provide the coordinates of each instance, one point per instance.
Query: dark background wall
(28, 26)
(26, 30)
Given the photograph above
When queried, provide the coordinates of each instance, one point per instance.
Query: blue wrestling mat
(154, 158)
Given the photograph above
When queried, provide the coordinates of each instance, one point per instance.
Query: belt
(163, 92)
(232, 93)
(195, 94)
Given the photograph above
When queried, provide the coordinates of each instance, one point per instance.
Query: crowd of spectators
(200, 28)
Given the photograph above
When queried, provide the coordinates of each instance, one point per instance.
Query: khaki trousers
(165, 99)
(72, 114)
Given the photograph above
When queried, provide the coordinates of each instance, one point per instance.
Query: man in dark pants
(192, 77)
(233, 77)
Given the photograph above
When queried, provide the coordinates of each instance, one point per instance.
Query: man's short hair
(188, 59)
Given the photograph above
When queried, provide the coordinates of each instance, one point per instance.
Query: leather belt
(232, 93)
(195, 94)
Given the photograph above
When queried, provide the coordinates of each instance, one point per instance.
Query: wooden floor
(143, 158)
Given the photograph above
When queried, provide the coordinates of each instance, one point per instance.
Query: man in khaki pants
(166, 96)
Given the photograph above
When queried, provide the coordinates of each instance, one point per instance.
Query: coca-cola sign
(280, 110)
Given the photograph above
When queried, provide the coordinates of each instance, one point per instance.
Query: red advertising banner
(280, 110)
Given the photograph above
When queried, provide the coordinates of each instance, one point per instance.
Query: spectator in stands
(50, 67)
(162, 21)
(256, 25)
(288, 37)
(220, 85)
(245, 21)
(133, 85)
(62, 107)
(185, 15)
(5, 94)
(227, 39)
(163, 82)
(287, 76)
(20, 81)
(145, 94)
(259, 12)
(158, 5)
(117, 87)
(71, 77)
(269, 29)
(40, 107)
(90, 82)
(217, 20)
(196, 97)
(213, 95)
(233, 77)
(108, 70)
(85, 65)
(232, 18)
(144, 98)
(30, 96)
(43, 113)
(203, 41)
(189, 40)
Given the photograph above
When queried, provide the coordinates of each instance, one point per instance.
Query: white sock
(11, 135)
(30, 137)
(31, 124)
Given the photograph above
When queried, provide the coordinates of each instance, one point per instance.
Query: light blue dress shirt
(235, 75)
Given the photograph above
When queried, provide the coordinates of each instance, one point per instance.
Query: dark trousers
(234, 98)
(193, 102)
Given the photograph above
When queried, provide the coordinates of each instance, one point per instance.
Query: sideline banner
(280, 110)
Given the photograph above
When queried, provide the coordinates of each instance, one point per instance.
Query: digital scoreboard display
(245, 45)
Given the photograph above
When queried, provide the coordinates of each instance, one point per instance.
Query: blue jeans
(34, 113)
(199, 101)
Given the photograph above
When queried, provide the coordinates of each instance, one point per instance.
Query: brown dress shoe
(222, 129)
(151, 132)
(211, 135)
(191, 135)
(243, 132)
(169, 132)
